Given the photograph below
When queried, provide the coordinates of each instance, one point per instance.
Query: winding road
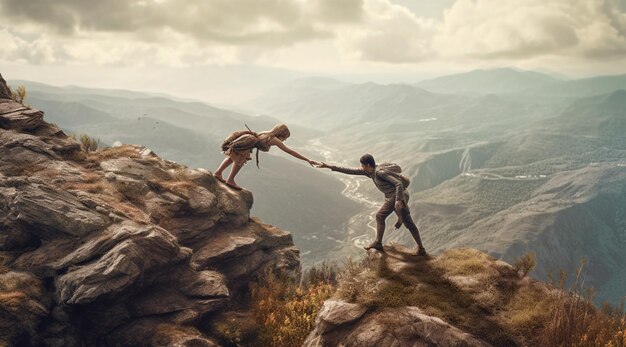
(362, 226)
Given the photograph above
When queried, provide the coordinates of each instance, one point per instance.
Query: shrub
(19, 94)
(89, 144)
(285, 310)
(575, 321)
(525, 264)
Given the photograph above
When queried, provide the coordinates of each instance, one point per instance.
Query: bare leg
(233, 173)
(223, 166)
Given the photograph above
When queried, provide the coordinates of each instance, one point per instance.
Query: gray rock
(134, 168)
(201, 200)
(4, 89)
(16, 116)
(49, 213)
(129, 187)
(120, 258)
(404, 326)
(336, 312)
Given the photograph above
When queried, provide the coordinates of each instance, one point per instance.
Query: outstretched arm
(290, 151)
(345, 170)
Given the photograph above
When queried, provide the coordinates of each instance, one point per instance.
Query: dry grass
(130, 210)
(397, 279)
(529, 310)
(472, 291)
(464, 261)
(107, 153)
(285, 311)
(92, 177)
(180, 187)
(19, 94)
(575, 321)
(525, 264)
(98, 187)
(235, 329)
(88, 143)
(26, 169)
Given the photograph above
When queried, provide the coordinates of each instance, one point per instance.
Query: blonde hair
(280, 131)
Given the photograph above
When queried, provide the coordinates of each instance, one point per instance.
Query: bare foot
(233, 185)
(219, 178)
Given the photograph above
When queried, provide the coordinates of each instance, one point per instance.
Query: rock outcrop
(461, 298)
(118, 246)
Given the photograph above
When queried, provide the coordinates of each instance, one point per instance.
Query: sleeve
(395, 181)
(347, 170)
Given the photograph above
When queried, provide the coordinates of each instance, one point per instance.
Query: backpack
(394, 170)
(242, 140)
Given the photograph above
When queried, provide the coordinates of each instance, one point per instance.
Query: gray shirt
(386, 183)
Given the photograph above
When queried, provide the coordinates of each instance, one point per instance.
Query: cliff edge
(118, 246)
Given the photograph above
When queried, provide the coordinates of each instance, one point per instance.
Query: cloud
(25, 47)
(518, 29)
(238, 22)
(195, 32)
(389, 33)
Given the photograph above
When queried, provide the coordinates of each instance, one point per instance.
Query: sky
(222, 50)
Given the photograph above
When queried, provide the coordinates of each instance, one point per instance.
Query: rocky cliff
(462, 297)
(119, 246)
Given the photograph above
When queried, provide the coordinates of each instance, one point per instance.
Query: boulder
(405, 326)
(50, 213)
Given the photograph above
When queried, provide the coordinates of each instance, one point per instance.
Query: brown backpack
(394, 170)
(242, 140)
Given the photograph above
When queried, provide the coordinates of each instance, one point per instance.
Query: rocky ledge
(118, 246)
(460, 298)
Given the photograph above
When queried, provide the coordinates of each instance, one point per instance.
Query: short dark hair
(368, 159)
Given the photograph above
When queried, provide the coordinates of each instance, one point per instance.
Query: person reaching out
(390, 182)
(239, 145)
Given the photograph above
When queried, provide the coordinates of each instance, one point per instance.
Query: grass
(284, 310)
(464, 287)
(527, 311)
(486, 298)
(18, 95)
(575, 321)
(107, 153)
(525, 264)
(93, 187)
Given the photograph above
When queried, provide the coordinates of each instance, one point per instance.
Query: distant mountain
(583, 87)
(601, 116)
(69, 90)
(504, 80)
(352, 104)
